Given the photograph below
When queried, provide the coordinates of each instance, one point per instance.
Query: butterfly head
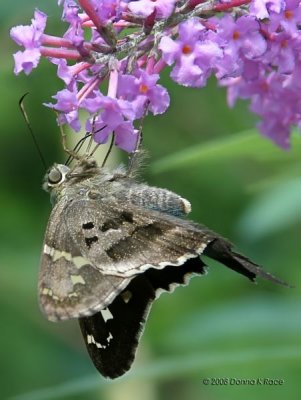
(55, 176)
(61, 177)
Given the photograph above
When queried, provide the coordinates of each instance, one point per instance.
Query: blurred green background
(221, 325)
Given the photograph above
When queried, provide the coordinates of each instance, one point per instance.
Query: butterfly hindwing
(112, 335)
(221, 250)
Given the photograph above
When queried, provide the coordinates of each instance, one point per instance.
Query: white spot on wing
(91, 340)
(49, 292)
(59, 254)
(109, 338)
(77, 279)
(106, 314)
(78, 261)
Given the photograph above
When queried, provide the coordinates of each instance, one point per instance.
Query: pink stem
(60, 53)
(56, 41)
(231, 4)
(90, 10)
(78, 68)
(88, 88)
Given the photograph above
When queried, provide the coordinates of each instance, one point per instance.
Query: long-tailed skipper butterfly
(112, 245)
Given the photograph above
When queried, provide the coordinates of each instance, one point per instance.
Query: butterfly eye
(55, 176)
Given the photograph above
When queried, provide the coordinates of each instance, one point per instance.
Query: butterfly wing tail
(221, 251)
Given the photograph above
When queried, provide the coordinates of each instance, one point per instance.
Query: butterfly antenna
(92, 135)
(23, 111)
(64, 139)
(71, 153)
(78, 146)
(98, 144)
(109, 150)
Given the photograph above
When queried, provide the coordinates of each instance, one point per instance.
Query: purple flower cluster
(254, 51)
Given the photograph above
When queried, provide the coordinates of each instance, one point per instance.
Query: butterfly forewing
(70, 286)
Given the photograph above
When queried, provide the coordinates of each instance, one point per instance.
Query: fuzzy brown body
(111, 246)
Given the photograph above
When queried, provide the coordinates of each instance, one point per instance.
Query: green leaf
(247, 144)
(249, 318)
(272, 211)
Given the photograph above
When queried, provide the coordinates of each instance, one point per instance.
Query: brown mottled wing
(125, 240)
(94, 248)
(69, 285)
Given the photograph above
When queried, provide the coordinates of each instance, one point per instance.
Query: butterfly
(112, 245)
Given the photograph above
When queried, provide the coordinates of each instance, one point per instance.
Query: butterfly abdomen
(163, 200)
